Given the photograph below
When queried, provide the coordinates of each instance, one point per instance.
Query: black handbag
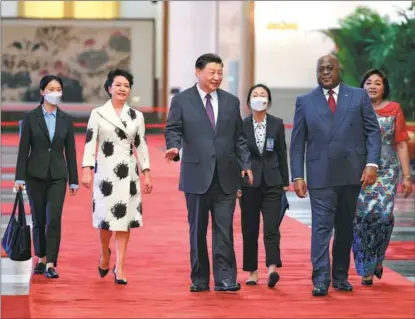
(17, 242)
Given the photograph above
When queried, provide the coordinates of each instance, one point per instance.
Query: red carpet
(15, 307)
(158, 271)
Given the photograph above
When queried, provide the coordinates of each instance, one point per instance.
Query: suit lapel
(197, 102)
(41, 121)
(221, 110)
(251, 134)
(60, 125)
(268, 133)
(343, 102)
(127, 117)
(322, 106)
(109, 114)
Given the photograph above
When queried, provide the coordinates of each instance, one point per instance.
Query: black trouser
(222, 207)
(253, 201)
(46, 198)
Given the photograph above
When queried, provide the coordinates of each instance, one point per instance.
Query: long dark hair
(45, 81)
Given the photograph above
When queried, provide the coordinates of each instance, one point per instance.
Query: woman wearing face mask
(116, 129)
(374, 217)
(266, 141)
(46, 162)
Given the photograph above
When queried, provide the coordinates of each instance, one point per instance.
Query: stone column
(247, 64)
(236, 47)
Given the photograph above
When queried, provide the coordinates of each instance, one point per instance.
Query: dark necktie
(332, 101)
(209, 111)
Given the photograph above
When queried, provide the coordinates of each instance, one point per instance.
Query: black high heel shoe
(367, 282)
(118, 281)
(103, 272)
(379, 273)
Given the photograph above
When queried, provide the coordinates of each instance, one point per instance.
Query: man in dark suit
(47, 134)
(337, 127)
(205, 122)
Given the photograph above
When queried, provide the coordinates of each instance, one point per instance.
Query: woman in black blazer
(46, 163)
(266, 142)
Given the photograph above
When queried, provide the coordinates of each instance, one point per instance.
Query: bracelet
(408, 177)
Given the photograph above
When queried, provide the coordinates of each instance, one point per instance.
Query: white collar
(214, 94)
(263, 123)
(335, 90)
(108, 104)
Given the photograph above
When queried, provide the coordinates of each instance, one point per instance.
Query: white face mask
(259, 103)
(53, 98)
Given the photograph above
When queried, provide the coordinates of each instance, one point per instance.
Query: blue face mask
(53, 98)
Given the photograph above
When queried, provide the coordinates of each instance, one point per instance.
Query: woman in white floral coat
(116, 129)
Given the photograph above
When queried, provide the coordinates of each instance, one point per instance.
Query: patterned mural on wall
(82, 56)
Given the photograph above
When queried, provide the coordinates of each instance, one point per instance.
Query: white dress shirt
(213, 100)
(335, 93)
(260, 131)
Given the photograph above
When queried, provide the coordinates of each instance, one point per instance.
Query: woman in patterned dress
(374, 218)
(116, 205)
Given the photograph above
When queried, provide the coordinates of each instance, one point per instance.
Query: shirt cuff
(294, 179)
(20, 182)
(372, 165)
(73, 186)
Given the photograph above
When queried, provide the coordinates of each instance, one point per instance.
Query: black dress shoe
(227, 285)
(379, 273)
(51, 273)
(320, 290)
(273, 278)
(199, 287)
(103, 272)
(39, 268)
(343, 286)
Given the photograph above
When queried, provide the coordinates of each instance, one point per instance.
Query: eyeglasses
(322, 69)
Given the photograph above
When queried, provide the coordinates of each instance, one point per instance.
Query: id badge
(270, 144)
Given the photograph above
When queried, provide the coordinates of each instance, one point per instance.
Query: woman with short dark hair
(116, 205)
(266, 142)
(374, 217)
(46, 162)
